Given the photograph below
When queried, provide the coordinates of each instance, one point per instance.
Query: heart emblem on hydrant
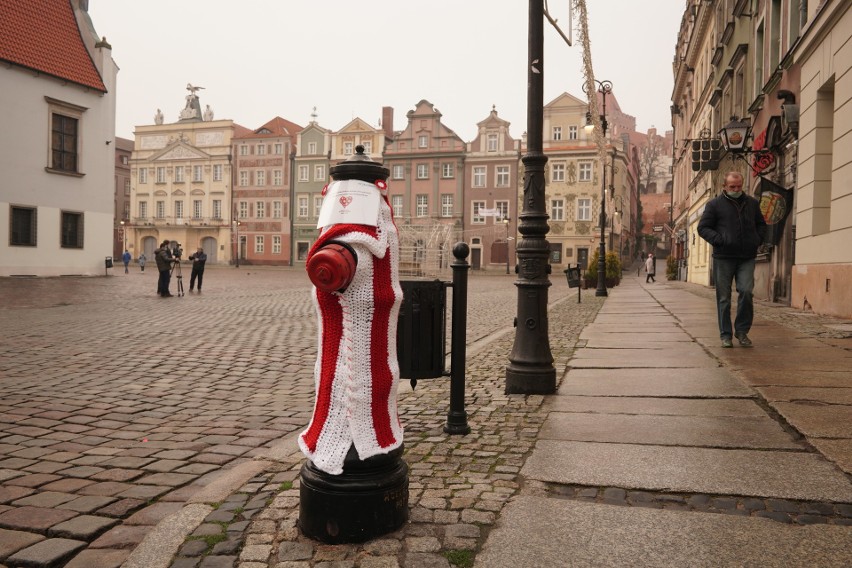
(345, 200)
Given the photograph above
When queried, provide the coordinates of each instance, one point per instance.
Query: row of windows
(260, 210)
(178, 209)
(261, 149)
(421, 208)
(260, 178)
(180, 174)
(572, 133)
(584, 173)
(479, 173)
(348, 148)
(319, 172)
(24, 228)
(260, 244)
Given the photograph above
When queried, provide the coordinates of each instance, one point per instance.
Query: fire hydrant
(354, 485)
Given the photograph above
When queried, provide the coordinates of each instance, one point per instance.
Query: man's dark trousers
(163, 283)
(196, 272)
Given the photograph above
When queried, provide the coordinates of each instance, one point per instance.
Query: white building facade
(56, 146)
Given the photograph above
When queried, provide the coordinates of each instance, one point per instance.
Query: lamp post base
(367, 500)
(530, 380)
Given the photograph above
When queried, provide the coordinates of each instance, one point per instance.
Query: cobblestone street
(145, 432)
(117, 404)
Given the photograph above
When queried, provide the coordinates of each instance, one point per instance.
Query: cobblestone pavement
(116, 405)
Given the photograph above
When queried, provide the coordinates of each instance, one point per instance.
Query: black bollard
(370, 497)
(457, 416)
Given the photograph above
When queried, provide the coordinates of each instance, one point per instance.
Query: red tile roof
(43, 35)
(276, 127)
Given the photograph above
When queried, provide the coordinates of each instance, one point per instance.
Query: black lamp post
(237, 244)
(604, 88)
(530, 369)
(506, 222)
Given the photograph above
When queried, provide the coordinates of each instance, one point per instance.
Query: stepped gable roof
(43, 35)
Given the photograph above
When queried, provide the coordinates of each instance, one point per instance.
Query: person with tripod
(163, 256)
(198, 259)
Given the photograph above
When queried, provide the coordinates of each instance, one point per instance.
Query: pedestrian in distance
(141, 261)
(733, 223)
(198, 259)
(163, 256)
(650, 268)
(125, 258)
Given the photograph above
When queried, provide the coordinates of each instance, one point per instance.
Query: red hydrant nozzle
(332, 267)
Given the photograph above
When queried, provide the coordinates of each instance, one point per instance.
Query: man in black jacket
(163, 256)
(198, 260)
(734, 225)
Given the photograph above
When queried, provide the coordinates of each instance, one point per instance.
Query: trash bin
(108, 262)
(420, 335)
(573, 275)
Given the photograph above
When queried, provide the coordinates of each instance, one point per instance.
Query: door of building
(476, 258)
(208, 244)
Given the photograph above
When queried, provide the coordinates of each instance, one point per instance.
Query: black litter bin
(420, 334)
(573, 275)
(108, 262)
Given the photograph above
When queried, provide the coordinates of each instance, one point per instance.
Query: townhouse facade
(318, 150)
(263, 175)
(121, 210)
(772, 65)
(57, 202)
(580, 185)
(181, 185)
(312, 162)
(426, 188)
(492, 170)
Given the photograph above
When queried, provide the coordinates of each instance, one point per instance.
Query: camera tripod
(176, 269)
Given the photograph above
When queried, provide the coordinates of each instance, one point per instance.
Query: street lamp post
(123, 237)
(530, 369)
(506, 222)
(604, 88)
(237, 244)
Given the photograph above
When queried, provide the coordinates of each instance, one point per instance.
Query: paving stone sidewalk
(459, 485)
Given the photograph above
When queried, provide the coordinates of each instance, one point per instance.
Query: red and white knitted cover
(356, 373)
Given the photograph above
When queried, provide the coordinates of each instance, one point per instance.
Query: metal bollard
(457, 416)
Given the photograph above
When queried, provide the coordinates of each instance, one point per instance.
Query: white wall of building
(24, 156)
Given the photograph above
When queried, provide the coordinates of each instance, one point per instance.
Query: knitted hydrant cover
(356, 372)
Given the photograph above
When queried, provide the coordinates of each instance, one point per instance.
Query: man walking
(198, 260)
(733, 223)
(650, 268)
(163, 256)
(125, 258)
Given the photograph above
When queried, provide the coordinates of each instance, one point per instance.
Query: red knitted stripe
(336, 231)
(332, 321)
(382, 379)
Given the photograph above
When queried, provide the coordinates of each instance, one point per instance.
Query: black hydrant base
(354, 506)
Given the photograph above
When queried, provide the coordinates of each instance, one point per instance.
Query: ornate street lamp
(604, 88)
(734, 135)
(530, 369)
(123, 237)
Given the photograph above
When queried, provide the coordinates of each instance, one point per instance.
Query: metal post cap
(359, 167)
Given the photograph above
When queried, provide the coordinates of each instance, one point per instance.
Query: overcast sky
(258, 59)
